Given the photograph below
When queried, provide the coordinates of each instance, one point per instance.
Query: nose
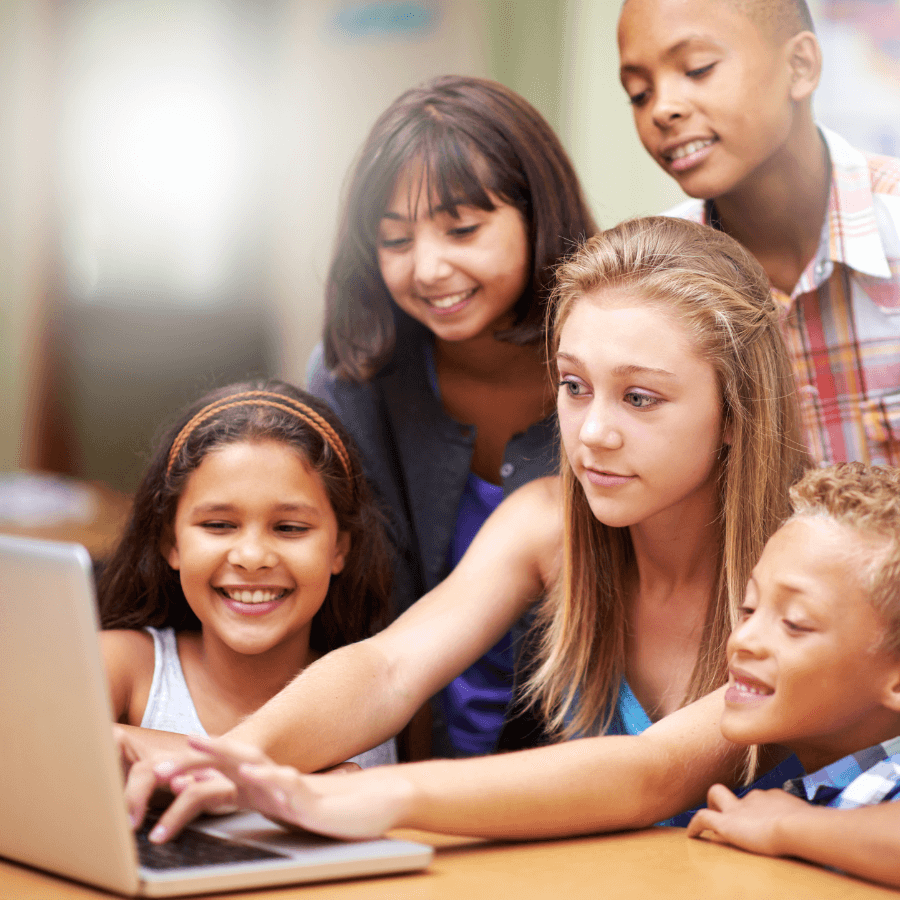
(430, 260)
(747, 637)
(669, 104)
(600, 428)
(251, 551)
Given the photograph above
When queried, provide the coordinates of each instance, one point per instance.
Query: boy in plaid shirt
(814, 666)
(722, 98)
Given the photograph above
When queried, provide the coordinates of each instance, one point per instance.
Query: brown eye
(393, 243)
(700, 72)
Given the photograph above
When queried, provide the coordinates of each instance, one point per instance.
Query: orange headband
(263, 398)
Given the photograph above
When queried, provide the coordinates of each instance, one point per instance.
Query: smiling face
(806, 668)
(461, 275)
(713, 96)
(255, 542)
(640, 413)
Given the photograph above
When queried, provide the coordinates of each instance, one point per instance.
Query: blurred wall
(26, 49)
(619, 177)
(118, 318)
(334, 75)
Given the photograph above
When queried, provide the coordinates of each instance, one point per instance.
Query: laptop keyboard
(194, 848)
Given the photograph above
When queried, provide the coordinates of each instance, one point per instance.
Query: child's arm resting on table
(577, 787)
(863, 841)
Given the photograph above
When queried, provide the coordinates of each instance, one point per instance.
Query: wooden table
(645, 865)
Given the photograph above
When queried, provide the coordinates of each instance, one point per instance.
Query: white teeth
(688, 149)
(253, 596)
(749, 688)
(451, 300)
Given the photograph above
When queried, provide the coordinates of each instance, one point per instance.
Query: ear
(169, 551)
(890, 697)
(804, 56)
(342, 548)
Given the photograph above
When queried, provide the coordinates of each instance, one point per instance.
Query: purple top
(475, 702)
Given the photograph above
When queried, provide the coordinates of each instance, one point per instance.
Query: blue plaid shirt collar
(864, 778)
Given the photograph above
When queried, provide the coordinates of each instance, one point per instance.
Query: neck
(682, 565)
(674, 581)
(878, 726)
(679, 549)
(484, 358)
(247, 681)
(777, 213)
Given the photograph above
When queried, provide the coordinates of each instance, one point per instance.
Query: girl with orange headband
(252, 549)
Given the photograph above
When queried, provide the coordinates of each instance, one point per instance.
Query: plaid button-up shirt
(842, 320)
(862, 779)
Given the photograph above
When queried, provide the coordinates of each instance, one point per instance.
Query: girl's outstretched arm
(863, 841)
(577, 787)
(358, 696)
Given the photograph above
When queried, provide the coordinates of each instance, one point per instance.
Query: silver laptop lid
(61, 801)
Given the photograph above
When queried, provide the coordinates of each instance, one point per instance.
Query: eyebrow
(210, 508)
(623, 370)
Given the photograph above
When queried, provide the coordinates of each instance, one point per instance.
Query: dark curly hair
(137, 587)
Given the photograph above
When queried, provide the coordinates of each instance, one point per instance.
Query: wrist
(407, 799)
(789, 831)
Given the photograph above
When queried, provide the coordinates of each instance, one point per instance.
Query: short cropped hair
(867, 499)
(779, 19)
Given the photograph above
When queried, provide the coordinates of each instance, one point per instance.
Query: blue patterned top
(861, 779)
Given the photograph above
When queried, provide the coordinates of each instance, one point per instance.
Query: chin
(699, 190)
(741, 736)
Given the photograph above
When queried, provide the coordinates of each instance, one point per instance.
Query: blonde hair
(867, 499)
(720, 294)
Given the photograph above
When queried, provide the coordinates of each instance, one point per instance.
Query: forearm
(356, 697)
(583, 786)
(863, 842)
(339, 706)
(151, 738)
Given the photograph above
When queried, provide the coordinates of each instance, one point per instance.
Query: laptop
(62, 806)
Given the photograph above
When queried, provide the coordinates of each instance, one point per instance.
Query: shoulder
(532, 517)
(541, 495)
(408, 357)
(129, 658)
(883, 171)
(317, 374)
(324, 384)
(885, 175)
(133, 646)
